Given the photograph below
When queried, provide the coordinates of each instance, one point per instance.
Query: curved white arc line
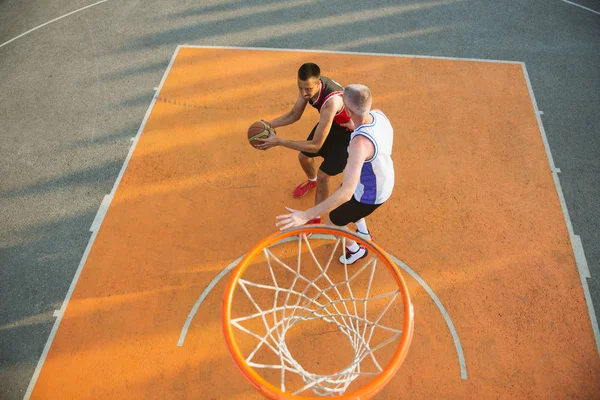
(51, 21)
(214, 282)
(436, 300)
(205, 293)
(438, 303)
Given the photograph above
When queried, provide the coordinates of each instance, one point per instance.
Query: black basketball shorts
(334, 150)
(351, 211)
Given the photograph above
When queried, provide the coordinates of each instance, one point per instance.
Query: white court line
(410, 271)
(440, 306)
(190, 46)
(200, 300)
(580, 6)
(94, 229)
(49, 22)
(580, 260)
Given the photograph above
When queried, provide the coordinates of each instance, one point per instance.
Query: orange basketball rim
(318, 298)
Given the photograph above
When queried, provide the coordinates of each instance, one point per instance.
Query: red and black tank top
(329, 88)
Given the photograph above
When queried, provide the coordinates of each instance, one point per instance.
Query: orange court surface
(475, 214)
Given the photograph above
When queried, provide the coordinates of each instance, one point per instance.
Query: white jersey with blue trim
(377, 174)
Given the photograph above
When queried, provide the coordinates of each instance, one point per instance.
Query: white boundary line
(348, 52)
(49, 22)
(410, 271)
(580, 260)
(95, 229)
(580, 6)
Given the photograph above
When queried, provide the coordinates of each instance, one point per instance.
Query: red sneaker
(304, 187)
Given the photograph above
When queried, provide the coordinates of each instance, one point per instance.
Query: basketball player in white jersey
(368, 178)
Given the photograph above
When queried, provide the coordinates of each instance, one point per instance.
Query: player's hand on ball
(267, 143)
(295, 218)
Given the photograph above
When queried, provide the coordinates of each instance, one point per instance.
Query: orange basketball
(258, 130)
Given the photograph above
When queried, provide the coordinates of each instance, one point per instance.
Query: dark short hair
(309, 70)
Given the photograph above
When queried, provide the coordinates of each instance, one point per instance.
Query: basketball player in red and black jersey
(328, 139)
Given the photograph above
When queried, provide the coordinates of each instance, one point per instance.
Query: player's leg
(309, 167)
(362, 230)
(351, 211)
(321, 194)
(322, 187)
(340, 218)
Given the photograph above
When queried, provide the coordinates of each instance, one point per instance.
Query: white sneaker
(365, 236)
(352, 257)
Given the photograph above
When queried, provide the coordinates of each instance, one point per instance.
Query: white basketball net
(325, 302)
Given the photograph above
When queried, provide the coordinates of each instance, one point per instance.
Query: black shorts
(334, 150)
(351, 211)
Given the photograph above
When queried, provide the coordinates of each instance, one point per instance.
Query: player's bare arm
(361, 149)
(328, 112)
(291, 116)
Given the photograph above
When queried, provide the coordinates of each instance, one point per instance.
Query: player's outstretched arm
(360, 149)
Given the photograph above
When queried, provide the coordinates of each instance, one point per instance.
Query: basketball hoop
(290, 308)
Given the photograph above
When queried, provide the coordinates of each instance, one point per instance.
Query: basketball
(258, 130)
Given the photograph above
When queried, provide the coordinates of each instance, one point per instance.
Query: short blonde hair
(358, 98)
